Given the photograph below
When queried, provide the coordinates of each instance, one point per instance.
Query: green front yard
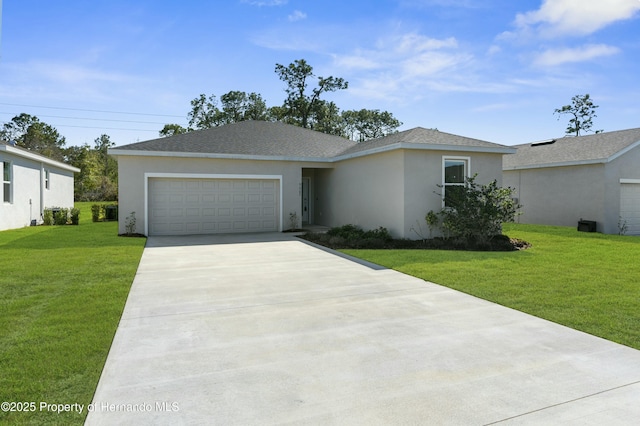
(62, 291)
(590, 282)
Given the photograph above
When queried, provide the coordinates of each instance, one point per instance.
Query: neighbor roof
(571, 150)
(25, 153)
(274, 140)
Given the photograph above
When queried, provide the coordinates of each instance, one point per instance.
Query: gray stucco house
(30, 183)
(594, 177)
(251, 176)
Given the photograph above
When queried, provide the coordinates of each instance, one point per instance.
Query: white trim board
(204, 176)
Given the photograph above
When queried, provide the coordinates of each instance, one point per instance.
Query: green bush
(47, 217)
(61, 217)
(96, 211)
(475, 213)
(75, 216)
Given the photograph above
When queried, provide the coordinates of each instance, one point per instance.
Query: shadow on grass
(68, 236)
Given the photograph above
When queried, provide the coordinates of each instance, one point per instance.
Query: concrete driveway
(265, 329)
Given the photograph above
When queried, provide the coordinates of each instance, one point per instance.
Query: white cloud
(553, 57)
(575, 17)
(407, 66)
(297, 16)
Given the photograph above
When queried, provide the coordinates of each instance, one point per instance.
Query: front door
(305, 200)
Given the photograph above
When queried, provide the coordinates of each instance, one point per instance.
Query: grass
(63, 289)
(586, 281)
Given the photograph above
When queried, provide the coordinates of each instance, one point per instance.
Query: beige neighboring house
(593, 178)
(254, 176)
(30, 183)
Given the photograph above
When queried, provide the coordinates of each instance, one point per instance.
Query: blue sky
(489, 69)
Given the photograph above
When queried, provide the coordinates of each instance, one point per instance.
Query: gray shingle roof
(567, 150)
(256, 138)
(268, 139)
(420, 135)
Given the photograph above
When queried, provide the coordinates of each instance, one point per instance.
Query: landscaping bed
(353, 237)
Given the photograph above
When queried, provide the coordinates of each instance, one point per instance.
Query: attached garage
(630, 205)
(212, 205)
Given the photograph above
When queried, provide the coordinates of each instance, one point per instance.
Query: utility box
(587, 225)
(111, 212)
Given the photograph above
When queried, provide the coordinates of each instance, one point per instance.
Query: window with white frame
(455, 170)
(7, 181)
(46, 179)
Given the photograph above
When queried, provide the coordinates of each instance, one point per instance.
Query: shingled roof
(569, 150)
(269, 140)
(251, 138)
(420, 137)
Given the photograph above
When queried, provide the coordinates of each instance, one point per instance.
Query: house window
(46, 179)
(455, 171)
(6, 181)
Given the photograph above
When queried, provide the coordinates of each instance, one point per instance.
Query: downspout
(41, 192)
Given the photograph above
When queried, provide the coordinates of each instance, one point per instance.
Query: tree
(235, 106)
(301, 107)
(368, 124)
(583, 111)
(30, 133)
(172, 129)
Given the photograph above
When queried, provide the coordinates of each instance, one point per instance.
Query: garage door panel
(630, 207)
(194, 206)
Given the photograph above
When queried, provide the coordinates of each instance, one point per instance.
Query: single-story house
(255, 176)
(30, 183)
(591, 178)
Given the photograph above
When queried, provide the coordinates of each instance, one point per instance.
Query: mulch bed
(498, 243)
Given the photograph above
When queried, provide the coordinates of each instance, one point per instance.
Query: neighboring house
(30, 183)
(564, 180)
(253, 176)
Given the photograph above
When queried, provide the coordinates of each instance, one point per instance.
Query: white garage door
(630, 207)
(211, 206)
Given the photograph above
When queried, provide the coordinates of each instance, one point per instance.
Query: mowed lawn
(587, 281)
(62, 292)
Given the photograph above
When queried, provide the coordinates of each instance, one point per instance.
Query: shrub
(96, 211)
(476, 212)
(130, 223)
(47, 217)
(75, 216)
(61, 217)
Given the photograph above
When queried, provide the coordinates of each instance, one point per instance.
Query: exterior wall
(394, 189)
(424, 172)
(131, 171)
(560, 196)
(29, 194)
(365, 191)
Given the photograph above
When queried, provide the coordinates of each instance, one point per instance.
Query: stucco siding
(560, 195)
(364, 191)
(423, 173)
(132, 170)
(29, 195)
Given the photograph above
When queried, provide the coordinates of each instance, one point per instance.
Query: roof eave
(39, 158)
(559, 164)
(428, 147)
(142, 153)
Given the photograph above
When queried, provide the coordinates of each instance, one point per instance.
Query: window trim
(7, 198)
(467, 172)
(47, 179)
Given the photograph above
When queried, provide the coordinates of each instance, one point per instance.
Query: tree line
(98, 176)
(303, 106)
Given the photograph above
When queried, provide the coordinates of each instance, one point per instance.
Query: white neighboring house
(30, 183)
